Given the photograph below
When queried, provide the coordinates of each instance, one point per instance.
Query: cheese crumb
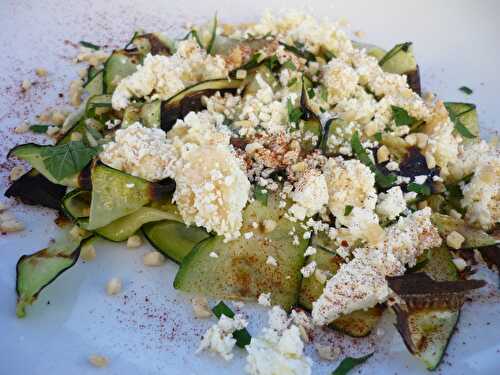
(213, 254)
(264, 299)
(391, 204)
(269, 225)
(88, 252)
(16, 172)
(308, 270)
(271, 261)
(218, 339)
(22, 128)
(310, 194)
(460, 263)
(41, 72)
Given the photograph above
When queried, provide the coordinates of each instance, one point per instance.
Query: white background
(456, 43)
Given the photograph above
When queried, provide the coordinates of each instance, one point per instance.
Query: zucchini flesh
(356, 324)
(240, 271)
(34, 272)
(173, 238)
(400, 60)
(119, 65)
(466, 113)
(150, 114)
(252, 86)
(153, 43)
(76, 203)
(427, 331)
(116, 194)
(189, 99)
(35, 189)
(126, 226)
(474, 238)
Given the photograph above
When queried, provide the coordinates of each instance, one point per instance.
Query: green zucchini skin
(240, 271)
(426, 331)
(172, 238)
(189, 99)
(36, 271)
(400, 60)
(112, 199)
(119, 65)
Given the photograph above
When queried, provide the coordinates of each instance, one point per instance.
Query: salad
(278, 162)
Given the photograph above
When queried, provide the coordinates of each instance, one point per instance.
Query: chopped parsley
(423, 190)
(289, 65)
(39, 128)
(349, 363)
(310, 93)
(294, 113)
(241, 336)
(89, 45)
(323, 93)
(459, 125)
(348, 210)
(378, 136)
(67, 159)
(272, 62)
(384, 181)
(253, 62)
(466, 90)
(401, 116)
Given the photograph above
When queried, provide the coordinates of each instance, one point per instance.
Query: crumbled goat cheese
(212, 190)
(279, 350)
(98, 360)
(213, 254)
(420, 179)
(201, 309)
(455, 240)
(308, 269)
(340, 80)
(154, 259)
(310, 194)
(163, 76)
(141, 152)
(134, 241)
(361, 283)
(219, 338)
(482, 195)
(350, 183)
(310, 251)
(114, 286)
(271, 261)
(391, 204)
(264, 299)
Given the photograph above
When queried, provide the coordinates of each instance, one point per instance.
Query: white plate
(149, 328)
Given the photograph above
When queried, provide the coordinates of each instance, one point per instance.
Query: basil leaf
(211, 43)
(241, 336)
(424, 190)
(67, 159)
(39, 128)
(466, 90)
(401, 116)
(349, 363)
(310, 93)
(378, 137)
(384, 181)
(348, 210)
(89, 45)
(261, 195)
(294, 114)
(395, 50)
(253, 62)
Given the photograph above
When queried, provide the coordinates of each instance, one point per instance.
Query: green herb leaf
(299, 50)
(326, 133)
(292, 82)
(261, 195)
(67, 159)
(349, 363)
(327, 54)
(131, 40)
(289, 65)
(241, 336)
(211, 43)
(39, 128)
(378, 136)
(294, 114)
(394, 51)
(194, 33)
(310, 93)
(323, 93)
(382, 180)
(348, 210)
(89, 45)
(272, 62)
(423, 190)
(253, 62)
(459, 126)
(401, 116)
(466, 90)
